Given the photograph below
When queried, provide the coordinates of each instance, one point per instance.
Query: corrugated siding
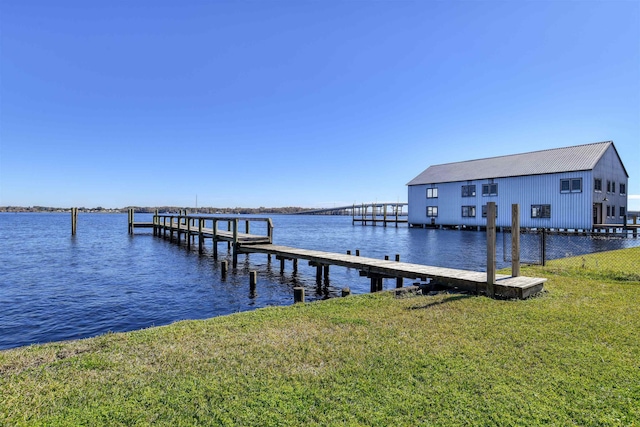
(609, 168)
(568, 210)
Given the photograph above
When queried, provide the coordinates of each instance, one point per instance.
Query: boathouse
(582, 187)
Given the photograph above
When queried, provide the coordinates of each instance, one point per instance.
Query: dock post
(384, 207)
(281, 265)
(252, 282)
(491, 248)
(235, 243)
(515, 240)
(246, 226)
(224, 266)
(399, 280)
(353, 214)
(200, 237)
(295, 265)
(179, 225)
(131, 219)
(346, 292)
(298, 294)
(215, 238)
(318, 273)
(156, 223)
(326, 272)
(357, 252)
(187, 221)
(74, 221)
(348, 252)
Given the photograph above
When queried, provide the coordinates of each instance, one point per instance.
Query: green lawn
(570, 357)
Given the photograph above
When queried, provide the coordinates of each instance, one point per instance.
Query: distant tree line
(161, 209)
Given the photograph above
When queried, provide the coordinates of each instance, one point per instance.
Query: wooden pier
(186, 228)
(380, 213)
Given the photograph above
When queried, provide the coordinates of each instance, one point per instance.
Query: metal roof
(567, 159)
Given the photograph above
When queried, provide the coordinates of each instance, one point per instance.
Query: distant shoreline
(163, 209)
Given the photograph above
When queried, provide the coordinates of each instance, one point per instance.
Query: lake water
(54, 286)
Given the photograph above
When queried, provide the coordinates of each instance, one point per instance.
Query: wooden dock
(376, 270)
(186, 228)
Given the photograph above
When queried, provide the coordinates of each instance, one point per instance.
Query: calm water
(57, 287)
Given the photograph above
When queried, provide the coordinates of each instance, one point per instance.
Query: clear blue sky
(304, 103)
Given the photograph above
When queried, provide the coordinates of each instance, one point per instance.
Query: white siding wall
(568, 210)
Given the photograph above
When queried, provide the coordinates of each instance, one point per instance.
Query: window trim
(623, 189)
(468, 187)
(484, 211)
(432, 193)
(570, 182)
(541, 211)
(433, 210)
(597, 185)
(471, 211)
(486, 189)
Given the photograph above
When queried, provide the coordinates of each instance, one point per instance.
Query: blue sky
(300, 103)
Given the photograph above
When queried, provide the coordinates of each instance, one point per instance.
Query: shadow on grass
(451, 298)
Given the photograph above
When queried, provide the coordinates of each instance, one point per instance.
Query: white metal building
(565, 188)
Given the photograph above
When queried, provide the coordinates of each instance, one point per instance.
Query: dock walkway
(505, 286)
(245, 242)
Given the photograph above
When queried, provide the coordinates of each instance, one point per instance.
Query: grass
(570, 356)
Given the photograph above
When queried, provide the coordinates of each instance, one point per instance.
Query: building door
(597, 213)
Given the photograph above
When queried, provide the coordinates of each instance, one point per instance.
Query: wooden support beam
(252, 282)
(515, 240)
(491, 248)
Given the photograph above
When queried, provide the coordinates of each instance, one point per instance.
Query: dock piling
(252, 282)
(74, 222)
(298, 294)
(491, 248)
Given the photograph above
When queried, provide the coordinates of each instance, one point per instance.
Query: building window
(573, 185)
(432, 193)
(540, 211)
(484, 211)
(622, 211)
(623, 188)
(432, 211)
(469, 191)
(489, 189)
(468, 211)
(597, 185)
(613, 187)
(608, 211)
(613, 211)
(608, 186)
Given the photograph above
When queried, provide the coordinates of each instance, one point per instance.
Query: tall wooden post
(515, 240)
(384, 207)
(200, 236)
(74, 221)
(235, 243)
(252, 282)
(187, 221)
(179, 225)
(131, 214)
(156, 223)
(491, 248)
